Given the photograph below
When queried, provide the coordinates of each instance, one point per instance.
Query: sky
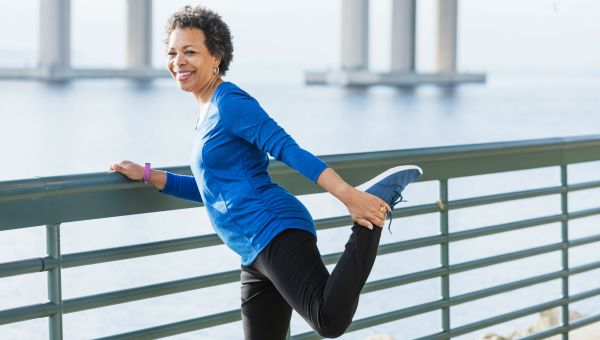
(272, 35)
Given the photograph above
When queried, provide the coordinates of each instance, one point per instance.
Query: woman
(267, 226)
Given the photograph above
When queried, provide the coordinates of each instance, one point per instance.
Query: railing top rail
(47, 200)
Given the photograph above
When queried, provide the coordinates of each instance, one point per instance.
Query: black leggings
(289, 273)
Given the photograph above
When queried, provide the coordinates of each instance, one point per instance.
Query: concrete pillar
(55, 37)
(447, 35)
(403, 35)
(139, 34)
(355, 35)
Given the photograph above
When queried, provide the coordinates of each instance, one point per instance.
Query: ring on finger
(382, 209)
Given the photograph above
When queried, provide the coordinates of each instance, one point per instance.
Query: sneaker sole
(386, 173)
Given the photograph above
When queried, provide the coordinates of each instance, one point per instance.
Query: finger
(387, 206)
(375, 219)
(378, 222)
(382, 202)
(379, 213)
(364, 223)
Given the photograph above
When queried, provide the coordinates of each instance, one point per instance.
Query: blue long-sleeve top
(229, 165)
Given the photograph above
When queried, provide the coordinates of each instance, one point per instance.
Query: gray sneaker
(389, 185)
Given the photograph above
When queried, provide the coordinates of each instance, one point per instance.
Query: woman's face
(189, 61)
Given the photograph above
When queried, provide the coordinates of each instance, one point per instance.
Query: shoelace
(400, 199)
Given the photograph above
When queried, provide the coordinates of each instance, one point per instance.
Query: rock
(492, 336)
(548, 319)
(379, 336)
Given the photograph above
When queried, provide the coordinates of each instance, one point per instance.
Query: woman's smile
(184, 75)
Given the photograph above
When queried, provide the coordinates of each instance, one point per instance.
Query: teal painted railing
(51, 201)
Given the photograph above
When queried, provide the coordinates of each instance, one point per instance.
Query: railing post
(445, 255)
(54, 281)
(565, 250)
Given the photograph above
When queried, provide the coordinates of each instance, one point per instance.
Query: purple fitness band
(146, 172)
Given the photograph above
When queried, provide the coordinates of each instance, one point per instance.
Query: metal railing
(51, 201)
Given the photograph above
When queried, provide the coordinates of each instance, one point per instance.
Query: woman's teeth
(183, 75)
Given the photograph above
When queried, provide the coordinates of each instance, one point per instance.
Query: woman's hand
(134, 171)
(365, 209)
(130, 169)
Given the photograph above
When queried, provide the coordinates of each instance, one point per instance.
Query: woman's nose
(179, 59)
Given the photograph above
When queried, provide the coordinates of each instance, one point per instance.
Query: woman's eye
(171, 53)
(189, 52)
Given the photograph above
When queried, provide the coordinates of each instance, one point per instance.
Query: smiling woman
(269, 228)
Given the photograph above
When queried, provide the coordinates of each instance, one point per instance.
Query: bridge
(55, 48)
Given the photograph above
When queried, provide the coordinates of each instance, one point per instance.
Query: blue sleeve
(243, 116)
(182, 186)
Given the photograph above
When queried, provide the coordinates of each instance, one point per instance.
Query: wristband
(146, 172)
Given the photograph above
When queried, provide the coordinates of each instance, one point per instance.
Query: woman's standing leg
(265, 313)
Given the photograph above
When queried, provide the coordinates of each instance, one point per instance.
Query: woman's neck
(203, 97)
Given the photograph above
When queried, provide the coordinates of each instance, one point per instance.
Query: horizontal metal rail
(23, 267)
(40, 310)
(504, 197)
(150, 291)
(181, 326)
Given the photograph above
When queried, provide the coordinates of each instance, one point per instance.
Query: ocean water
(85, 126)
(543, 66)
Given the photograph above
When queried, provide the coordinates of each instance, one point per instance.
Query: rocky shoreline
(547, 319)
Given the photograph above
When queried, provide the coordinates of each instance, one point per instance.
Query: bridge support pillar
(139, 34)
(55, 38)
(447, 35)
(355, 35)
(404, 13)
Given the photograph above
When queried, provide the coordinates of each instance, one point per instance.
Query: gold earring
(216, 70)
